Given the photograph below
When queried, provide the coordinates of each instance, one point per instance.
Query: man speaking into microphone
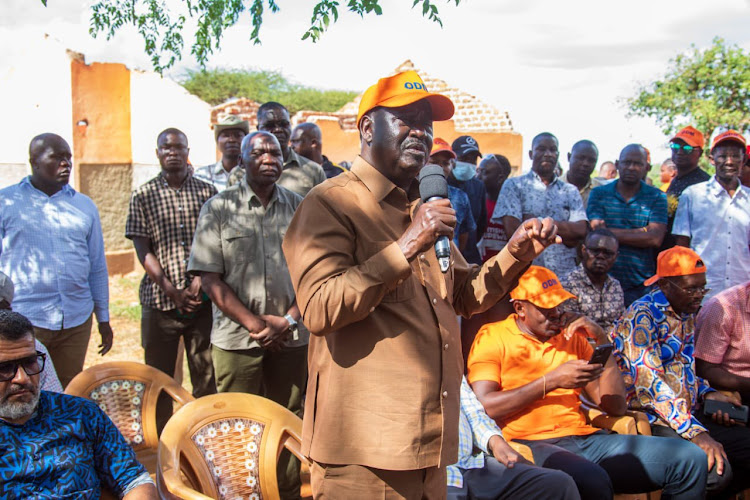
(384, 360)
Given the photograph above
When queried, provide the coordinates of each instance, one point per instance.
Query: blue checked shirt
(475, 428)
(53, 250)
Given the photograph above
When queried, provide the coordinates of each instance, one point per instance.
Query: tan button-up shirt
(239, 238)
(300, 174)
(384, 359)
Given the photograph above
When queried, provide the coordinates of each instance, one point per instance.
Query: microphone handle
(442, 247)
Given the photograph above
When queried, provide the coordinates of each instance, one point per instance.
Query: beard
(15, 410)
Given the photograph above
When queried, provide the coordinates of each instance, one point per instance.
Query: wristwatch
(292, 326)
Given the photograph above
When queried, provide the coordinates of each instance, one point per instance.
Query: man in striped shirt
(637, 214)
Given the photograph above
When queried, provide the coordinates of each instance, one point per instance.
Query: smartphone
(736, 413)
(601, 354)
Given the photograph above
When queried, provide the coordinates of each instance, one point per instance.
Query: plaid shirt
(168, 218)
(475, 428)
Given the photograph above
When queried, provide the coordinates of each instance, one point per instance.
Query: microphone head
(432, 182)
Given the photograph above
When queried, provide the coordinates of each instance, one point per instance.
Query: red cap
(691, 136)
(439, 145)
(729, 135)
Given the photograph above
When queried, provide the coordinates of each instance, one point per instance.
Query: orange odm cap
(402, 89)
(441, 146)
(729, 135)
(677, 261)
(691, 136)
(541, 287)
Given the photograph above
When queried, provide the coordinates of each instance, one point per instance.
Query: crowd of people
(317, 285)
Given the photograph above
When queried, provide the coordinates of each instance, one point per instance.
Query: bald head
(307, 141)
(41, 142)
(632, 164)
(51, 162)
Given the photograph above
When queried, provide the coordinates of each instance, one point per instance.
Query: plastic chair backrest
(226, 446)
(127, 392)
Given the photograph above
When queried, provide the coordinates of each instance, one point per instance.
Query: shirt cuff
(509, 266)
(102, 314)
(484, 441)
(391, 264)
(694, 429)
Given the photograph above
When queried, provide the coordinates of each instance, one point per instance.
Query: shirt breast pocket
(405, 290)
(240, 244)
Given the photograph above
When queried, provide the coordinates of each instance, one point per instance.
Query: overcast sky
(558, 66)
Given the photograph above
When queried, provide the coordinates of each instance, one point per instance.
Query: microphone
(434, 186)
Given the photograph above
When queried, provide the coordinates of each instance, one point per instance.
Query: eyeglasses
(32, 365)
(685, 147)
(692, 291)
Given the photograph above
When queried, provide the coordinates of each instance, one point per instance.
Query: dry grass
(125, 318)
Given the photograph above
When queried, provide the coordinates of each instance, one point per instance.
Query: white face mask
(463, 171)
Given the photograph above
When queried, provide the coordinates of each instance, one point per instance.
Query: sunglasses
(685, 147)
(32, 365)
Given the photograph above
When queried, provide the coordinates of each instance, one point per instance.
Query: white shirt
(719, 230)
(213, 174)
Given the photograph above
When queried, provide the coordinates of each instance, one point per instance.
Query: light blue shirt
(718, 226)
(475, 428)
(53, 249)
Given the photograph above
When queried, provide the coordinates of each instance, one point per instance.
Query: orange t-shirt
(502, 353)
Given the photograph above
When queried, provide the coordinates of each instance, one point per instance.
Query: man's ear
(711, 159)
(518, 307)
(531, 154)
(568, 157)
(366, 128)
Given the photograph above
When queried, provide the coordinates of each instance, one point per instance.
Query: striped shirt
(723, 330)
(167, 217)
(475, 428)
(634, 265)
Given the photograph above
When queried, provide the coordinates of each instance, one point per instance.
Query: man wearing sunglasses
(654, 348)
(54, 445)
(687, 148)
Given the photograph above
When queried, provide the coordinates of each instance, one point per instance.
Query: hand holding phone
(601, 354)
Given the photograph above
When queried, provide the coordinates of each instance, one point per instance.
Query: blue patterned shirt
(68, 449)
(634, 265)
(53, 250)
(654, 348)
(475, 428)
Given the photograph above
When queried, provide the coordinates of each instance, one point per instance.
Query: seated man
(488, 468)
(55, 445)
(529, 375)
(598, 295)
(722, 341)
(654, 349)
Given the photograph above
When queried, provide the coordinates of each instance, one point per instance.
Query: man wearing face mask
(464, 178)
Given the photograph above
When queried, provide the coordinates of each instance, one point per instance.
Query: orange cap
(691, 136)
(439, 145)
(729, 135)
(677, 261)
(541, 287)
(401, 89)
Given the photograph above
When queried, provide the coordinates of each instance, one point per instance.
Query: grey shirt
(240, 239)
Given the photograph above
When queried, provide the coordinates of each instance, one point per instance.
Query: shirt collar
(66, 189)
(294, 159)
(580, 190)
(184, 183)
(219, 168)
(659, 300)
(248, 193)
(535, 176)
(374, 181)
(717, 189)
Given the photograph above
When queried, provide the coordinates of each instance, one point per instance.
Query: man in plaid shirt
(161, 222)
(489, 468)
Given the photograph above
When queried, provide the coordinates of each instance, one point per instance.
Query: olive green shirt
(300, 175)
(239, 238)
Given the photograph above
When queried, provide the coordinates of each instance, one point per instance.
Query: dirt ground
(125, 319)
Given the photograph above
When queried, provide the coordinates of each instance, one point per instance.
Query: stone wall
(109, 186)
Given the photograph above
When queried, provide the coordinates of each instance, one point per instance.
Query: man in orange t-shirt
(529, 376)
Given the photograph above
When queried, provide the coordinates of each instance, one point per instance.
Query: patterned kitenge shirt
(654, 348)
